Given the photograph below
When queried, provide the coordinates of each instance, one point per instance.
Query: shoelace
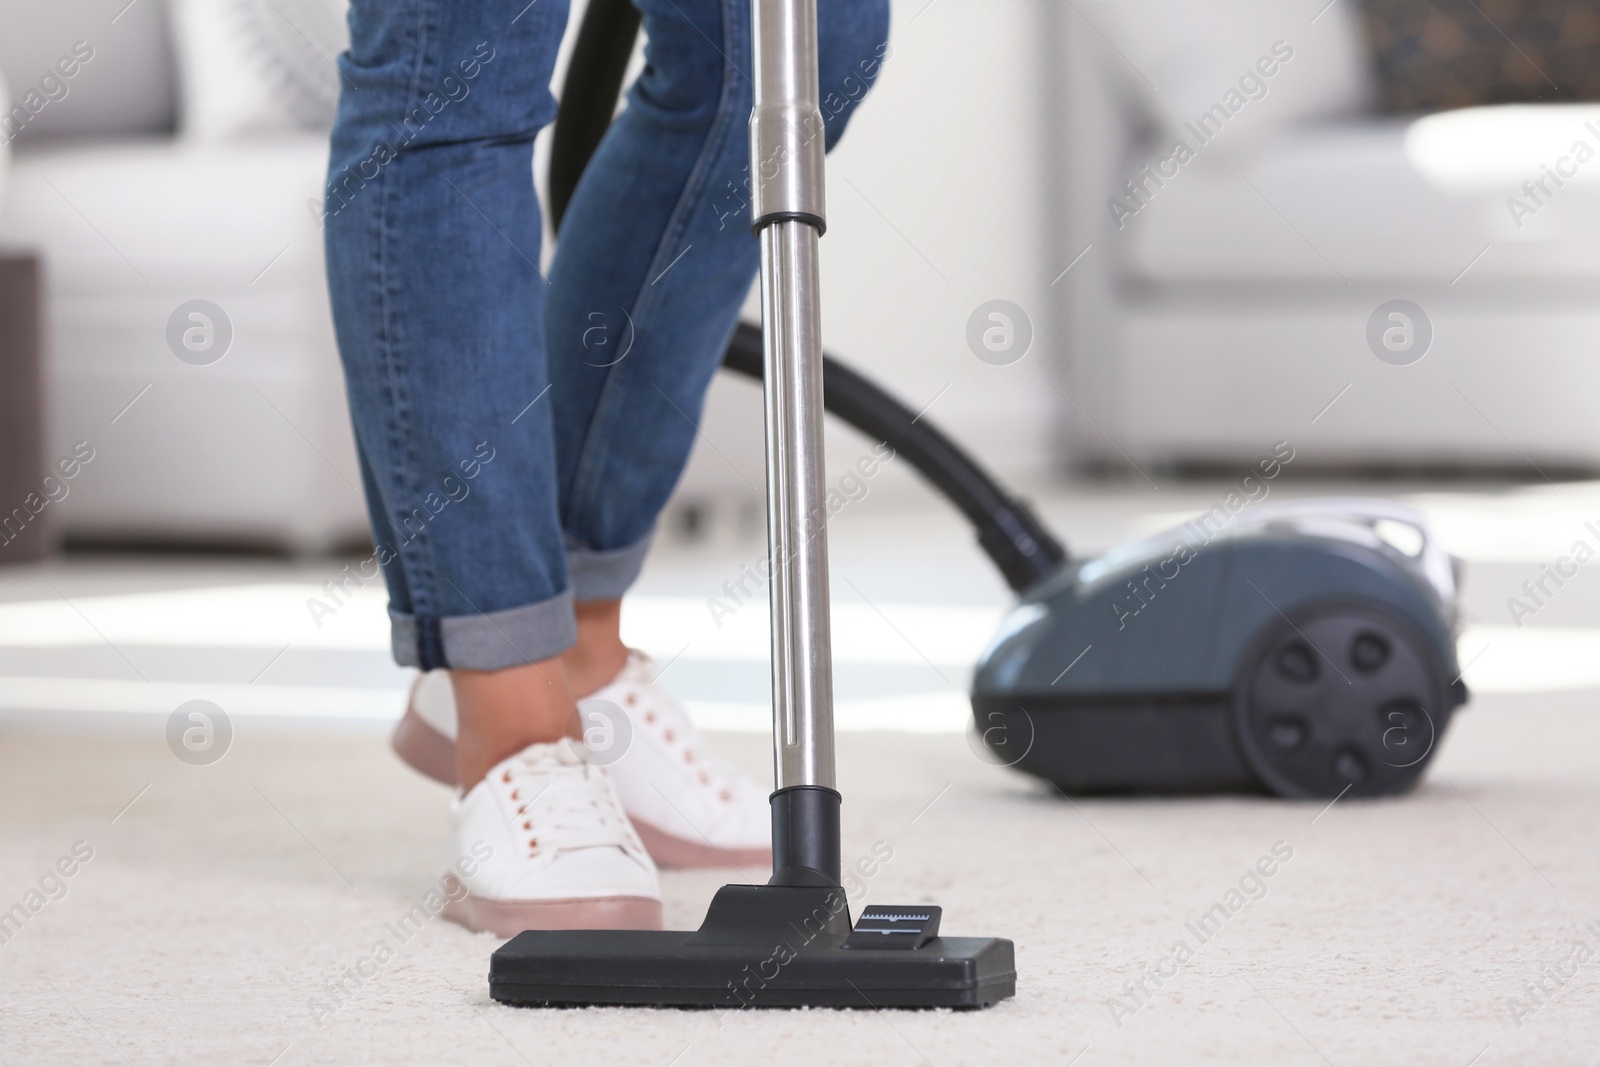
(563, 804)
(672, 719)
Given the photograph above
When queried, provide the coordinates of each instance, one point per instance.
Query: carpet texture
(217, 915)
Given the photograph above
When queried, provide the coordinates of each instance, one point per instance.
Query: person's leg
(433, 243)
(432, 234)
(655, 259)
(599, 654)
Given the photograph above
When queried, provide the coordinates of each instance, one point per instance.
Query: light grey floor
(221, 900)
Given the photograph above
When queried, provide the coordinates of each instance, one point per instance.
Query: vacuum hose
(1008, 531)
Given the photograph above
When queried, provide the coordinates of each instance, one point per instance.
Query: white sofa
(179, 178)
(1225, 316)
(1230, 307)
(136, 212)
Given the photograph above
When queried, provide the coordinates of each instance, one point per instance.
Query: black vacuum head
(761, 946)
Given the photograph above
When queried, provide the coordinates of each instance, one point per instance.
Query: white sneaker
(689, 810)
(545, 845)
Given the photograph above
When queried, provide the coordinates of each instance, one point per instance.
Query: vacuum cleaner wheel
(1340, 698)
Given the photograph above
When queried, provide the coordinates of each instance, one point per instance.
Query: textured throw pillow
(258, 66)
(1438, 54)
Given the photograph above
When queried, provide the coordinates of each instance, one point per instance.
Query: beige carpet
(217, 908)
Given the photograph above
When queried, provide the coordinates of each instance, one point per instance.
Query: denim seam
(592, 459)
(696, 184)
(416, 552)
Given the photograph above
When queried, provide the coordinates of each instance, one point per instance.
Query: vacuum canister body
(1304, 649)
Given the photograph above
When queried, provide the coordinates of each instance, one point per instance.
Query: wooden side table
(24, 535)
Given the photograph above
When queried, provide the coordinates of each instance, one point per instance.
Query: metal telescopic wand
(786, 165)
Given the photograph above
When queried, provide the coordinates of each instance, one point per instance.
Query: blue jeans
(518, 435)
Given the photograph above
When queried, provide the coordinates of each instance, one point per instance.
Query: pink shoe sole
(424, 749)
(508, 918)
(431, 753)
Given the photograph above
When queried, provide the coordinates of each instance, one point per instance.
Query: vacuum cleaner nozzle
(762, 946)
(789, 943)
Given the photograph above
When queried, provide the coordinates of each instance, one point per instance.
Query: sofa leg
(25, 534)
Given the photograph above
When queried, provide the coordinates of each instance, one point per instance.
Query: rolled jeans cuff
(487, 641)
(604, 574)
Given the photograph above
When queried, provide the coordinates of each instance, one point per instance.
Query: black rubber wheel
(1340, 699)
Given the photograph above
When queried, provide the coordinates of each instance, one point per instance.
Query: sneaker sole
(431, 753)
(508, 918)
(424, 749)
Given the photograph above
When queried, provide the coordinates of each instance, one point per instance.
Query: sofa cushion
(258, 66)
(119, 217)
(254, 447)
(1513, 192)
(120, 57)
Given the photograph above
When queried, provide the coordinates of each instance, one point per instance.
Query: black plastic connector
(805, 836)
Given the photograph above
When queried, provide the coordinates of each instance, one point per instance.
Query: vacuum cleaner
(790, 942)
(1302, 650)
